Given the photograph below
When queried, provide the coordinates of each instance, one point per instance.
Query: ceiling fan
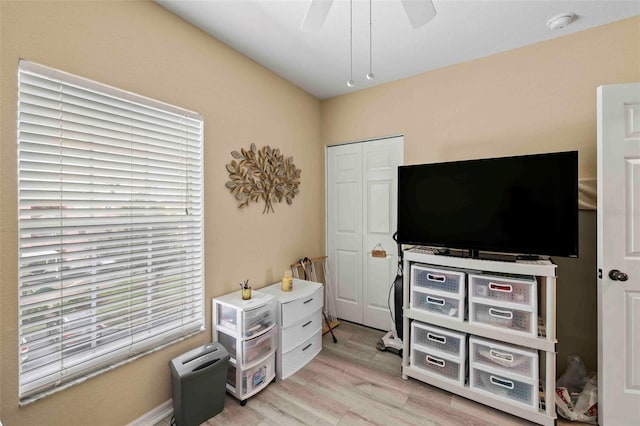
(419, 13)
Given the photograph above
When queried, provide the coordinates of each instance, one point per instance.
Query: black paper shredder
(198, 384)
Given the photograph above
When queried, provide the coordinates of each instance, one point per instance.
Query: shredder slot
(205, 365)
(198, 356)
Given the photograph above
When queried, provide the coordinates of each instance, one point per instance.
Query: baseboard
(154, 416)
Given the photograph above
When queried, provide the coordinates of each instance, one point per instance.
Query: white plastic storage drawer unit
(252, 349)
(507, 359)
(299, 321)
(252, 378)
(438, 291)
(438, 351)
(439, 339)
(253, 320)
(441, 280)
(516, 290)
(247, 329)
(507, 372)
(504, 302)
(503, 387)
(438, 364)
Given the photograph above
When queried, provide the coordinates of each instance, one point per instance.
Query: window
(110, 227)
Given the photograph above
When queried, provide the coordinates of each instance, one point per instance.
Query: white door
(380, 161)
(361, 217)
(619, 255)
(344, 228)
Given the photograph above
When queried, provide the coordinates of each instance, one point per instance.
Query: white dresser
(299, 318)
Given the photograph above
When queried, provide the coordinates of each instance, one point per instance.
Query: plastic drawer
(258, 319)
(231, 376)
(438, 365)
(439, 339)
(503, 357)
(258, 347)
(451, 307)
(226, 317)
(506, 289)
(429, 278)
(503, 317)
(228, 342)
(504, 387)
(256, 376)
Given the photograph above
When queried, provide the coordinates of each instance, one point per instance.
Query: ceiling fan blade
(419, 12)
(316, 15)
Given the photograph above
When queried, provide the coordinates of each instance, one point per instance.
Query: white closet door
(344, 228)
(361, 213)
(380, 161)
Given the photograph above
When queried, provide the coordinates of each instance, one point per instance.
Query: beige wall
(534, 99)
(141, 47)
(539, 98)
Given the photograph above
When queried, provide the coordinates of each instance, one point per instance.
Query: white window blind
(110, 227)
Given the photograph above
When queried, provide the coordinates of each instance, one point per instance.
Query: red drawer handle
(506, 288)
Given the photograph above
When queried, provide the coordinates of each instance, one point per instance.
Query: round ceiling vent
(560, 21)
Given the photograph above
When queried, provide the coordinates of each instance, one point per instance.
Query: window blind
(110, 227)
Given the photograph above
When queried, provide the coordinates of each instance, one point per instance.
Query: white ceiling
(268, 32)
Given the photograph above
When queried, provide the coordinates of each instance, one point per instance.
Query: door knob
(616, 275)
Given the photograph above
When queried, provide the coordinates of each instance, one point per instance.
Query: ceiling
(268, 31)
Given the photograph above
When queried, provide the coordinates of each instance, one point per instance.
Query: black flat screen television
(524, 205)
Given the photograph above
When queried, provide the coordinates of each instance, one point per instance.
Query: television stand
(505, 316)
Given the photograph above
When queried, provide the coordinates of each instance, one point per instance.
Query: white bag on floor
(576, 393)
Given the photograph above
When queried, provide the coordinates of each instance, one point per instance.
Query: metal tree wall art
(262, 174)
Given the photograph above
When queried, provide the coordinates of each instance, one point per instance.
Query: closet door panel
(344, 228)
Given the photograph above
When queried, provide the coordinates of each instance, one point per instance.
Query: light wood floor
(352, 383)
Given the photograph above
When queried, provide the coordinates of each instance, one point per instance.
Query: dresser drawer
(507, 359)
(430, 278)
(452, 307)
(294, 311)
(518, 290)
(439, 339)
(438, 365)
(503, 387)
(297, 333)
(503, 317)
(299, 356)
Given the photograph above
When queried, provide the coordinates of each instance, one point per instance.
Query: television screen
(521, 205)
